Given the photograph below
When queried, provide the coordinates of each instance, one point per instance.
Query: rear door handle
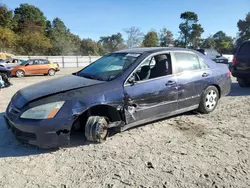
(170, 83)
(205, 74)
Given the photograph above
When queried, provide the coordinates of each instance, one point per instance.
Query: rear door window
(209, 53)
(36, 62)
(42, 62)
(245, 50)
(186, 62)
(31, 62)
(203, 64)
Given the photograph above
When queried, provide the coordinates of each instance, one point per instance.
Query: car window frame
(28, 62)
(38, 60)
(173, 64)
(207, 66)
(185, 72)
(43, 60)
(125, 83)
(47, 62)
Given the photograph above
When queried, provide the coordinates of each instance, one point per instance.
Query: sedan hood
(50, 87)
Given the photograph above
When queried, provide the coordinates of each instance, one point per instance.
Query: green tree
(166, 38)
(76, 42)
(209, 42)
(190, 31)
(32, 43)
(29, 18)
(7, 39)
(135, 37)
(90, 47)
(62, 40)
(48, 27)
(244, 29)
(6, 17)
(195, 36)
(112, 43)
(224, 43)
(151, 39)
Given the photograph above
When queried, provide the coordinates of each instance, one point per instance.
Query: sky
(95, 18)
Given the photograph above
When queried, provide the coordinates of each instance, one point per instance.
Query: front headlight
(46, 111)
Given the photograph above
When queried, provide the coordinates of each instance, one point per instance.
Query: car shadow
(29, 75)
(236, 90)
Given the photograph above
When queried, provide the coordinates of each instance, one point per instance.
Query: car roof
(38, 59)
(153, 50)
(246, 41)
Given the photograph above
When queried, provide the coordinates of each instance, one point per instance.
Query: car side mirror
(218, 56)
(27, 64)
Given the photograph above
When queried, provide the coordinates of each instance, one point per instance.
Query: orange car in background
(35, 66)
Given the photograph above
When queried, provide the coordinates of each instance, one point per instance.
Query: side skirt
(151, 119)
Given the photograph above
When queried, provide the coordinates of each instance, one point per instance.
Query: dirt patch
(190, 150)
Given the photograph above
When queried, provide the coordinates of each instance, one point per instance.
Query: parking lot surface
(189, 150)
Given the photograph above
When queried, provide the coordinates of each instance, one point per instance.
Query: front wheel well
(19, 70)
(109, 112)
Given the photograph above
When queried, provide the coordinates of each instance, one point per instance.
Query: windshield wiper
(91, 77)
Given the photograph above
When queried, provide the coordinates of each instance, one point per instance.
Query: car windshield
(216, 53)
(109, 67)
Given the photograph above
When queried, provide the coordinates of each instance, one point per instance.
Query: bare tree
(135, 37)
(166, 38)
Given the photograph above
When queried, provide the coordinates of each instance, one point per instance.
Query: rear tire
(96, 129)
(209, 100)
(243, 82)
(51, 72)
(20, 73)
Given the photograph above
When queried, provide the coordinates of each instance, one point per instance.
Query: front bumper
(39, 134)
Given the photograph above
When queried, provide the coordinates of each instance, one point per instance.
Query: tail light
(228, 73)
(234, 60)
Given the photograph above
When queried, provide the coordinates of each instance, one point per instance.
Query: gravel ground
(189, 150)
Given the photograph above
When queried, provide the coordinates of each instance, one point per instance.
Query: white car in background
(9, 64)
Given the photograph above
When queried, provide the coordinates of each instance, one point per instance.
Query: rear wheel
(243, 82)
(209, 100)
(96, 129)
(20, 73)
(52, 72)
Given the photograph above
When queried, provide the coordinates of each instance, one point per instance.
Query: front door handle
(170, 83)
(205, 74)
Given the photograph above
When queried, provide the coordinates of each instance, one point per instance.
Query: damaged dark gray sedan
(119, 91)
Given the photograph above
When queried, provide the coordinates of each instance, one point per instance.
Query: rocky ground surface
(189, 150)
